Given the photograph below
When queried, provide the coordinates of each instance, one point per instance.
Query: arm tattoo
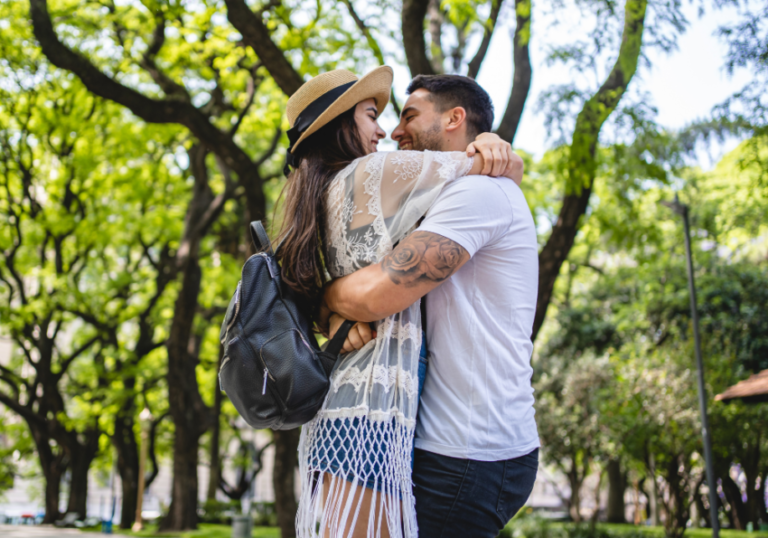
(423, 257)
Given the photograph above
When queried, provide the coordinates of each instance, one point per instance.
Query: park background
(137, 139)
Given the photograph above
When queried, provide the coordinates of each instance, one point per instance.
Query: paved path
(41, 531)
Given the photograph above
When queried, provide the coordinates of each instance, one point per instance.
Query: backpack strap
(260, 238)
(337, 342)
(423, 309)
(330, 355)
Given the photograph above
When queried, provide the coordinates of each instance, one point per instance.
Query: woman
(345, 208)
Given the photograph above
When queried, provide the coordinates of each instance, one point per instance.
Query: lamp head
(145, 416)
(676, 206)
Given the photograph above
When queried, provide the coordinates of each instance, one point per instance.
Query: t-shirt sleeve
(473, 211)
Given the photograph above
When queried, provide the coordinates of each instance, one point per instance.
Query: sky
(684, 84)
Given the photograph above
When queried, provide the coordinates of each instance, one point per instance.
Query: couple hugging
(396, 450)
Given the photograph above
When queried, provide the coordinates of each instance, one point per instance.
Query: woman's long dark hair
(321, 155)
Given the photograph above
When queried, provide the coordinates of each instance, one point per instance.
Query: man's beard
(431, 139)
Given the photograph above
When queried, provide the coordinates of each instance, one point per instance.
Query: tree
(568, 412)
(732, 316)
(625, 295)
(248, 461)
(92, 245)
(219, 69)
(581, 162)
(48, 250)
(173, 64)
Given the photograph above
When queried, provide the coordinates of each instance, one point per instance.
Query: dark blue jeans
(468, 498)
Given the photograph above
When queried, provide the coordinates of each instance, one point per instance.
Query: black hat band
(308, 117)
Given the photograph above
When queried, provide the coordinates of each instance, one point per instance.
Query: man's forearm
(359, 296)
(415, 267)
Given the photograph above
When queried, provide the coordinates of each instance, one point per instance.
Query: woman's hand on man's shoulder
(498, 158)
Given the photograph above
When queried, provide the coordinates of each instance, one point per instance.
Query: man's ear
(456, 119)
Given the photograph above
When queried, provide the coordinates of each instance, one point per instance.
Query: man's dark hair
(450, 91)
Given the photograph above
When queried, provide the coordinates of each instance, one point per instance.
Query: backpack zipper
(264, 364)
(306, 344)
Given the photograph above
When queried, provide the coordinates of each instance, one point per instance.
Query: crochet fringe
(377, 451)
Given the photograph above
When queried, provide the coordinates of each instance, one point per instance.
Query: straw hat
(330, 94)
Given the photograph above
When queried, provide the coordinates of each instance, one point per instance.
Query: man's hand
(359, 335)
(498, 157)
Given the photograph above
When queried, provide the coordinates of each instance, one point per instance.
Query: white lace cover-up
(364, 432)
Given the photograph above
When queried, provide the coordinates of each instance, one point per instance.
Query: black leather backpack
(273, 370)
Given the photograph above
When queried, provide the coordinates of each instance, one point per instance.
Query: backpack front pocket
(244, 379)
(292, 366)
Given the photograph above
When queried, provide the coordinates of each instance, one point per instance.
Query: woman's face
(366, 113)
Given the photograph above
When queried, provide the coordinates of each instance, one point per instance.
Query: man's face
(421, 126)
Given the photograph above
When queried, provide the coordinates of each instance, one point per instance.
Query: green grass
(205, 530)
(619, 529)
(208, 530)
(658, 532)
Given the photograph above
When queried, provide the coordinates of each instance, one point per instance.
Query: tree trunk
(257, 36)
(750, 463)
(182, 514)
(215, 467)
(78, 487)
(676, 505)
(435, 24)
(414, 44)
(52, 493)
(733, 496)
(582, 163)
(596, 512)
(701, 511)
(653, 501)
(190, 416)
(617, 485)
(53, 465)
(574, 503)
(728, 513)
(283, 480)
(127, 450)
(763, 509)
(523, 72)
(81, 456)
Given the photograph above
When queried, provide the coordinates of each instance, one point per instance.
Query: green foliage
(16, 448)
(93, 202)
(536, 527)
(214, 511)
(264, 514)
(205, 530)
(615, 374)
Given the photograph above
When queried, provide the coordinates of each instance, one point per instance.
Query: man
(475, 257)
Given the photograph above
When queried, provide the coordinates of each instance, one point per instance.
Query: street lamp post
(682, 210)
(145, 421)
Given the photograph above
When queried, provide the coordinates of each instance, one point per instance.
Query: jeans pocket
(530, 460)
(519, 477)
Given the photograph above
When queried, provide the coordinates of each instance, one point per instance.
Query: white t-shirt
(478, 400)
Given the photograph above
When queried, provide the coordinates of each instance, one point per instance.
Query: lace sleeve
(378, 199)
(402, 185)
